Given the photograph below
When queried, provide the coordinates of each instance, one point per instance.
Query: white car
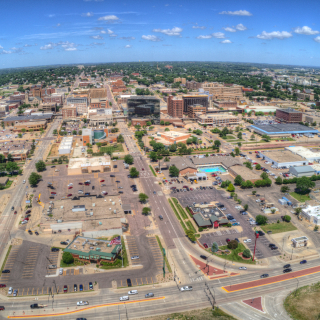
(70, 184)
(133, 292)
(124, 298)
(247, 240)
(10, 290)
(186, 288)
(61, 271)
(24, 221)
(82, 303)
(243, 268)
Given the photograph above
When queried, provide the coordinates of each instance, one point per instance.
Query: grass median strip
(165, 258)
(181, 211)
(191, 227)
(6, 258)
(152, 170)
(177, 215)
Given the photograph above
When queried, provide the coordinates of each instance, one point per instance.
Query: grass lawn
(279, 227)
(76, 263)
(117, 148)
(300, 197)
(231, 137)
(285, 139)
(233, 256)
(302, 304)
(8, 185)
(6, 258)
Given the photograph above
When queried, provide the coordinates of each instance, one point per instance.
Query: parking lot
(220, 236)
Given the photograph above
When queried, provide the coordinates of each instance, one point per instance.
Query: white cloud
(218, 35)
(317, 39)
(151, 38)
(225, 41)
(209, 36)
(237, 13)
(274, 35)
(127, 38)
(241, 27)
(58, 24)
(102, 31)
(128, 46)
(305, 30)
(70, 49)
(1, 47)
(88, 14)
(175, 31)
(48, 46)
(110, 31)
(109, 18)
(5, 52)
(113, 35)
(230, 29)
(97, 37)
(66, 45)
(198, 27)
(51, 15)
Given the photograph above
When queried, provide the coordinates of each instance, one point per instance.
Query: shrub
(67, 258)
(246, 253)
(287, 218)
(233, 244)
(214, 247)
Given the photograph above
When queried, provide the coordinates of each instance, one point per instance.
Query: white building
(66, 145)
(283, 158)
(312, 214)
(305, 153)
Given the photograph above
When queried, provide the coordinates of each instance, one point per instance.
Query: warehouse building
(65, 145)
(302, 171)
(283, 158)
(312, 214)
(305, 153)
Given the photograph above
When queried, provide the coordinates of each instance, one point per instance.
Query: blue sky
(42, 32)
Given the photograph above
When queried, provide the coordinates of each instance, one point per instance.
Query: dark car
(54, 249)
(112, 175)
(265, 275)
(36, 233)
(90, 286)
(92, 187)
(65, 288)
(75, 288)
(203, 257)
(237, 240)
(129, 283)
(287, 270)
(6, 271)
(287, 266)
(28, 211)
(272, 245)
(301, 262)
(1, 308)
(64, 243)
(261, 233)
(274, 248)
(2, 285)
(81, 318)
(81, 287)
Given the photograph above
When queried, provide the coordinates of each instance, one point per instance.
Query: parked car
(247, 241)
(82, 303)
(265, 275)
(287, 266)
(243, 268)
(205, 245)
(65, 288)
(90, 286)
(134, 257)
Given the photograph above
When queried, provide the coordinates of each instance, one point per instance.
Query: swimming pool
(212, 169)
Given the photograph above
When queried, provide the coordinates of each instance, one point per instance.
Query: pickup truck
(37, 306)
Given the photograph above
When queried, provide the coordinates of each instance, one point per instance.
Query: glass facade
(144, 107)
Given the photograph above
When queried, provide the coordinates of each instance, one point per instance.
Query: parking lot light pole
(255, 244)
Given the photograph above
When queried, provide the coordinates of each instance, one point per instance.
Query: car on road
(301, 262)
(154, 192)
(287, 266)
(133, 292)
(82, 303)
(134, 257)
(124, 298)
(203, 257)
(81, 318)
(247, 240)
(261, 233)
(149, 295)
(5, 271)
(287, 270)
(12, 208)
(265, 275)
(272, 245)
(90, 286)
(205, 245)
(186, 288)
(243, 268)
(36, 233)
(65, 288)
(274, 248)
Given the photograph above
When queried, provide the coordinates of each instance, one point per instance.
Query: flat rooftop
(89, 162)
(290, 110)
(245, 173)
(174, 134)
(283, 156)
(276, 129)
(304, 152)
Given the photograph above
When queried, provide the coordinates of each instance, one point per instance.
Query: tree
(238, 180)
(166, 159)
(217, 143)
(20, 135)
(237, 151)
(279, 180)
(9, 157)
(214, 247)
(84, 120)
(67, 258)
(233, 244)
(261, 220)
(40, 166)
(246, 253)
(153, 156)
(304, 184)
(162, 122)
(258, 166)
(34, 178)
(231, 188)
(266, 137)
(99, 144)
(143, 197)
(166, 129)
(297, 211)
(285, 189)
(146, 211)
(239, 135)
(88, 145)
(248, 165)
(138, 127)
(264, 175)
(246, 206)
(254, 192)
(2, 158)
(190, 235)
(134, 173)
(287, 218)
(128, 159)
(174, 171)
(55, 131)
(173, 148)
(23, 130)
(12, 166)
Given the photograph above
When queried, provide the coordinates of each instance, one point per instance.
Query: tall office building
(189, 100)
(175, 107)
(144, 107)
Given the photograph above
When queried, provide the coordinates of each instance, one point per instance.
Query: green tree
(190, 234)
(285, 189)
(23, 130)
(146, 211)
(9, 157)
(162, 122)
(20, 135)
(143, 197)
(287, 218)
(261, 220)
(174, 171)
(279, 180)
(239, 135)
(246, 206)
(246, 253)
(99, 144)
(34, 178)
(153, 156)
(258, 166)
(40, 166)
(134, 173)
(214, 247)
(266, 137)
(173, 148)
(55, 131)
(231, 188)
(237, 151)
(12, 166)
(217, 143)
(248, 165)
(120, 138)
(238, 180)
(254, 192)
(264, 175)
(67, 258)
(128, 159)
(233, 244)
(166, 129)
(304, 184)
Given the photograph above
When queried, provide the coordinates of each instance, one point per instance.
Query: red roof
(247, 89)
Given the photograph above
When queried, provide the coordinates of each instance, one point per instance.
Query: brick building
(69, 111)
(196, 108)
(193, 85)
(225, 104)
(54, 98)
(80, 103)
(289, 115)
(182, 80)
(33, 125)
(175, 107)
(224, 92)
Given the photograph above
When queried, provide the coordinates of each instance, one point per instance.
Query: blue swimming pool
(212, 169)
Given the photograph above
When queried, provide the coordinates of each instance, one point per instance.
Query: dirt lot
(202, 314)
(302, 304)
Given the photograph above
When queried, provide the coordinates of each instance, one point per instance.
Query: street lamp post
(255, 244)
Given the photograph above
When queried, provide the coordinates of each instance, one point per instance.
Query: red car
(15, 212)
(65, 288)
(228, 240)
(3, 285)
(69, 195)
(53, 193)
(205, 245)
(26, 218)
(81, 183)
(70, 187)
(142, 168)
(101, 180)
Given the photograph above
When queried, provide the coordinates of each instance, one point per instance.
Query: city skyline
(95, 31)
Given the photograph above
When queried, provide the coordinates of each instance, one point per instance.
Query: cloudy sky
(41, 32)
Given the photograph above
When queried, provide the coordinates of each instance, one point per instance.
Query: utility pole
(210, 296)
(255, 244)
